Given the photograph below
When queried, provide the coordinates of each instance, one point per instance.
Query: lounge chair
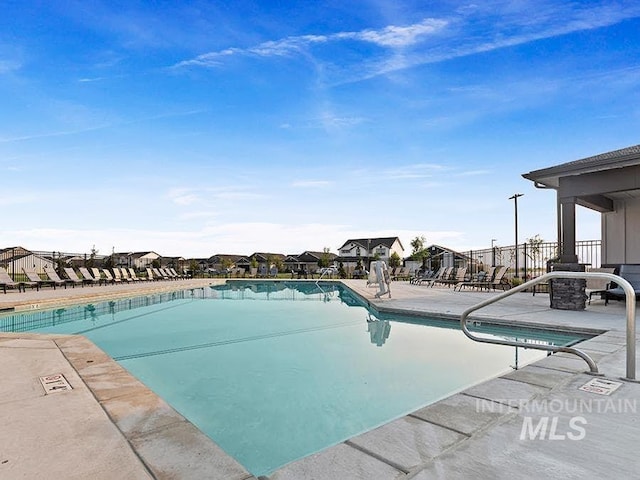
(150, 275)
(33, 276)
(73, 276)
(443, 272)
(88, 278)
(97, 274)
(458, 277)
(110, 278)
(176, 274)
(133, 275)
(499, 280)
(446, 276)
(127, 276)
(402, 273)
(158, 273)
(117, 276)
(54, 277)
(7, 282)
(480, 281)
(631, 273)
(169, 273)
(422, 276)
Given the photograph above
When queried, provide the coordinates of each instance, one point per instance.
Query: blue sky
(196, 128)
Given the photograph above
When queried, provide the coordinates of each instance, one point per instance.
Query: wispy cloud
(415, 171)
(388, 37)
(191, 196)
(477, 29)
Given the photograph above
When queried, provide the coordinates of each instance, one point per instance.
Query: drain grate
(54, 383)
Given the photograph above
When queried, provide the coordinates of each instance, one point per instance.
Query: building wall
(621, 242)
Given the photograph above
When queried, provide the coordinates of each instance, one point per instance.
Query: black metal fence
(14, 260)
(529, 260)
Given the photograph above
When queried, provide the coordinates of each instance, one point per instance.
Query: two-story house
(365, 250)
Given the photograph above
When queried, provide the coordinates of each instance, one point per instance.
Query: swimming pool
(274, 371)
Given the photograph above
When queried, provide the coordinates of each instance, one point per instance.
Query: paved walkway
(530, 423)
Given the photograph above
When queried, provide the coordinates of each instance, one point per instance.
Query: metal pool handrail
(631, 318)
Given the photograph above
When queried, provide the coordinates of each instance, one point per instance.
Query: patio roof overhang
(594, 183)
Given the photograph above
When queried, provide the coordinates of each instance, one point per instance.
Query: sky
(200, 128)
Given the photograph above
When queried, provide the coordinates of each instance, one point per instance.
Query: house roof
(441, 250)
(264, 255)
(373, 242)
(226, 256)
(142, 254)
(549, 177)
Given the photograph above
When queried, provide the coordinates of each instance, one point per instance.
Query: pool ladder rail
(593, 368)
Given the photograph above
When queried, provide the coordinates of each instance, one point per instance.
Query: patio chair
(458, 277)
(133, 275)
(150, 275)
(443, 272)
(445, 276)
(631, 273)
(158, 273)
(117, 276)
(175, 274)
(401, 273)
(596, 286)
(73, 276)
(97, 274)
(480, 280)
(90, 279)
(33, 276)
(127, 276)
(7, 282)
(421, 276)
(499, 280)
(54, 277)
(172, 274)
(163, 274)
(110, 278)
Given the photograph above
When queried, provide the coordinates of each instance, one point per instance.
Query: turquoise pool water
(274, 371)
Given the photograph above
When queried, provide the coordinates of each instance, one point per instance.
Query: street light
(493, 252)
(515, 204)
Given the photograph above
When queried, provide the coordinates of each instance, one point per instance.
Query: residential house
(307, 260)
(366, 250)
(268, 259)
(142, 260)
(177, 263)
(608, 183)
(222, 261)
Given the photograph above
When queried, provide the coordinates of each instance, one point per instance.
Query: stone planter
(567, 293)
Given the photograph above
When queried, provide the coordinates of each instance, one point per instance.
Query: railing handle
(630, 310)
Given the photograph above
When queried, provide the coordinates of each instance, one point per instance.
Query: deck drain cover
(600, 386)
(54, 383)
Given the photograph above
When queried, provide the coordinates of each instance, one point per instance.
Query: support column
(568, 252)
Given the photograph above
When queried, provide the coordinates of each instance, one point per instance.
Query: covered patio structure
(608, 183)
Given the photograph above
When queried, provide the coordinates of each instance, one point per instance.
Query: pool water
(274, 371)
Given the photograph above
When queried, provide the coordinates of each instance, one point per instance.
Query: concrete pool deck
(531, 422)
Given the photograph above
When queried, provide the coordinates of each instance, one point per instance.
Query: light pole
(515, 197)
(493, 252)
